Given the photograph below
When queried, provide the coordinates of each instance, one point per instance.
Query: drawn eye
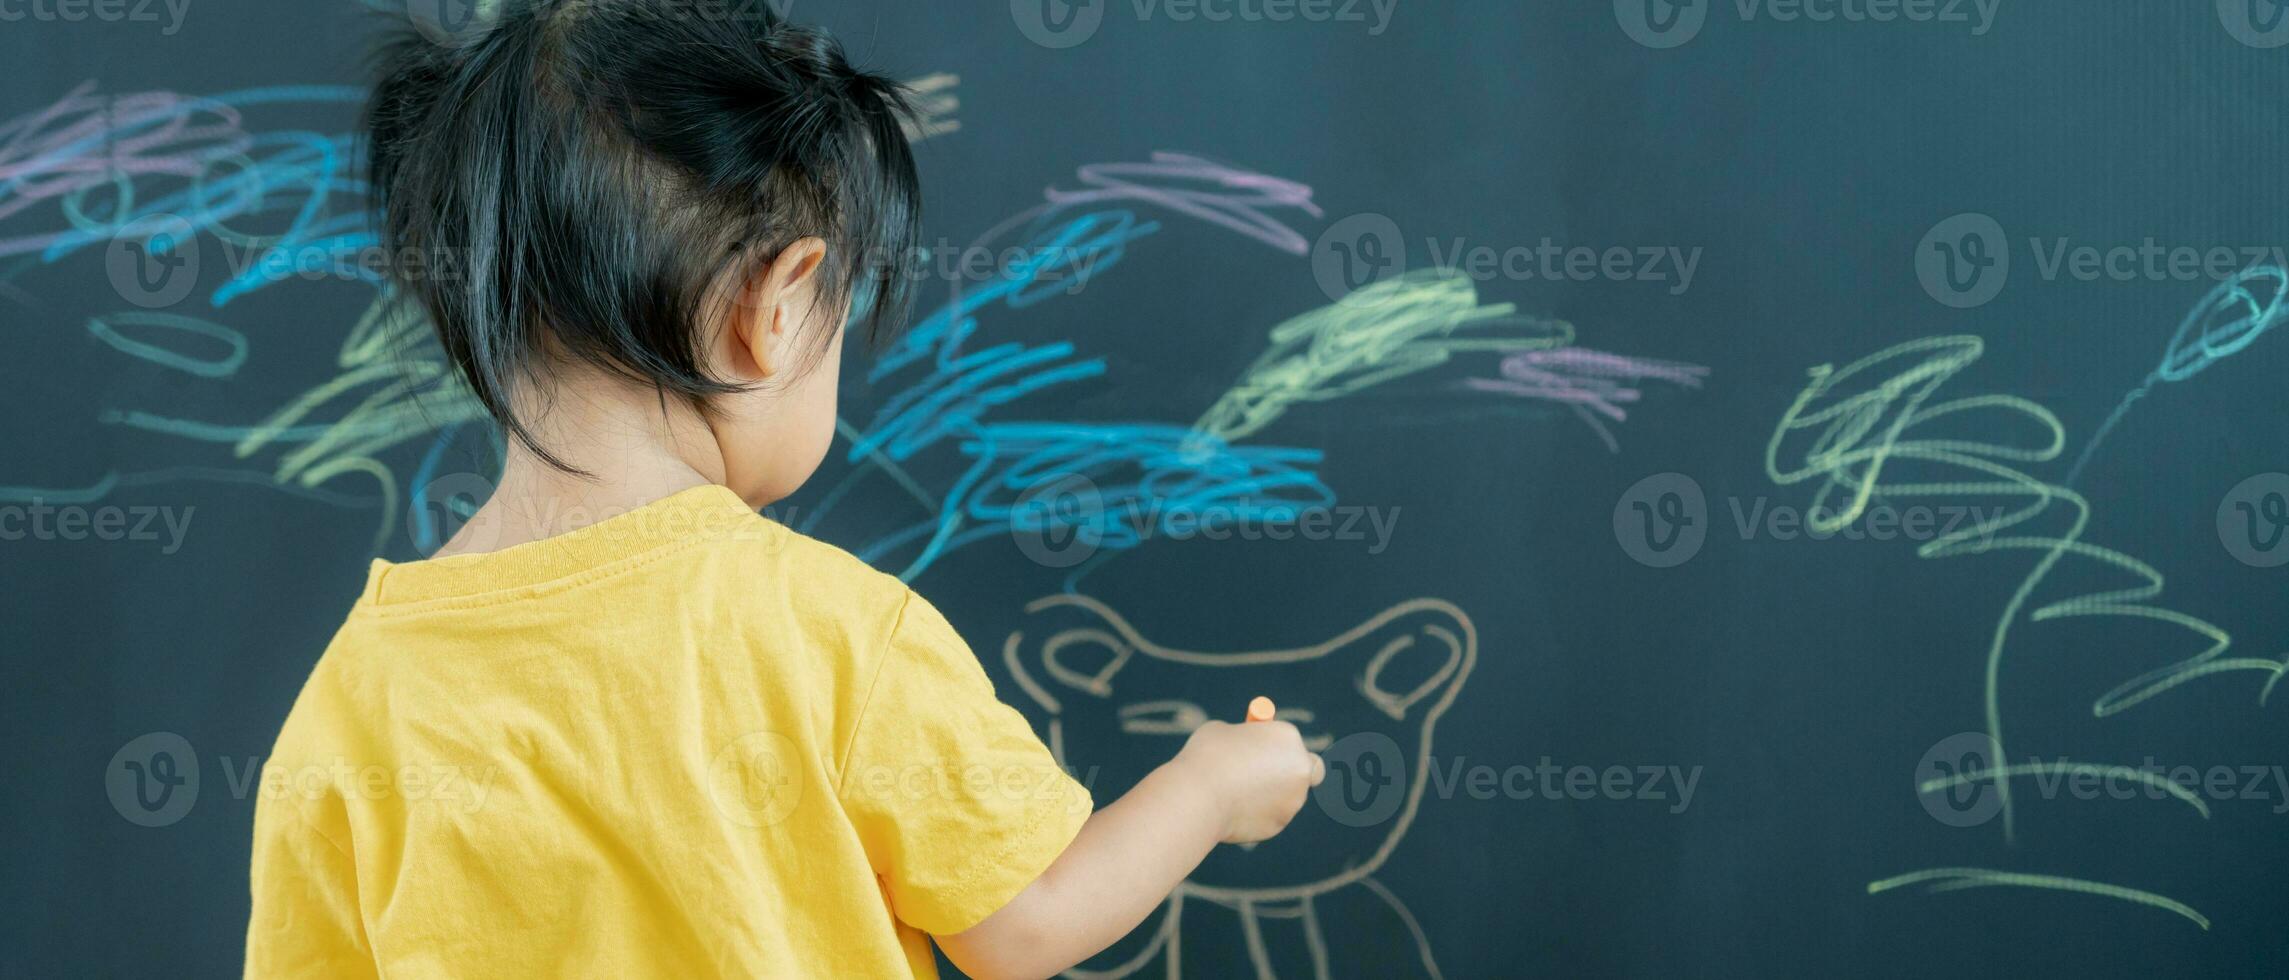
(1162, 718)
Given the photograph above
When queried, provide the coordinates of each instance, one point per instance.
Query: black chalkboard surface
(1737, 488)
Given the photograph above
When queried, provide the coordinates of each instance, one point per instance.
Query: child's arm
(1231, 784)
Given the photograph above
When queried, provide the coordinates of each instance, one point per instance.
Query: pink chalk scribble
(1594, 384)
(86, 142)
(1229, 197)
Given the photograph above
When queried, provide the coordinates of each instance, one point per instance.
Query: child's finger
(1318, 769)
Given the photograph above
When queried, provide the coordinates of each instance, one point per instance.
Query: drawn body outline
(1434, 695)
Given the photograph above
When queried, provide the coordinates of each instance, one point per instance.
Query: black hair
(604, 175)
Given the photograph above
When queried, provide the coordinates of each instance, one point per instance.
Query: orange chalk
(1260, 709)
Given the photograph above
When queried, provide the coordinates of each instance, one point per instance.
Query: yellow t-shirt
(684, 741)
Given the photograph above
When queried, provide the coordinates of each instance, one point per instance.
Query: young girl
(682, 739)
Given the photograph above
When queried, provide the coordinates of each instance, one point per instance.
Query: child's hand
(1259, 773)
(1235, 783)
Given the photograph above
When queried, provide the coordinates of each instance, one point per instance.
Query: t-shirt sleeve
(305, 920)
(957, 802)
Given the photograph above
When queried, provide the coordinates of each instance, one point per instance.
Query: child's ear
(1411, 651)
(772, 304)
(1069, 643)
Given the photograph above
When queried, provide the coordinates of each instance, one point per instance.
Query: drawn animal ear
(1068, 644)
(1412, 652)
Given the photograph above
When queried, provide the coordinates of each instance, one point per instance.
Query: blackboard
(1676, 454)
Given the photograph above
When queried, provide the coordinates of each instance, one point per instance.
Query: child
(683, 740)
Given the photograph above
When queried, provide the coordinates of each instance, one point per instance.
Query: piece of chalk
(1260, 709)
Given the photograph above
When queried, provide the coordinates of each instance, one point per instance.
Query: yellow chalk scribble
(2155, 780)
(935, 101)
(1958, 879)
(1857, 434)
(1394, 328)
(408, 392)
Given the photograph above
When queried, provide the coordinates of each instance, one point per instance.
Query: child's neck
(634, 452)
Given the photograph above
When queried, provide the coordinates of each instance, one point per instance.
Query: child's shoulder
(825, 578)
(799, 551)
